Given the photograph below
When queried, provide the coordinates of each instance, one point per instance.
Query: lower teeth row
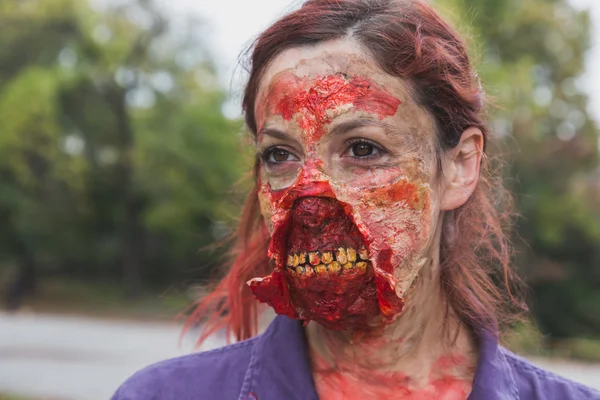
(332, 268)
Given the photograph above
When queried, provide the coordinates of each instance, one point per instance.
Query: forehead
(334, 57)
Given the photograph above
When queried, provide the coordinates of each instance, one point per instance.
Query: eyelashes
(276, 155)
(363, 150)
(355, 151)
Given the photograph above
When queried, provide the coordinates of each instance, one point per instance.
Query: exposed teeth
(363, 253)
(335, 267)
(341, 256)
(351, 254)
(302, 258)
(361, 265)
(342, 259)
(321, 269)
(314, 259)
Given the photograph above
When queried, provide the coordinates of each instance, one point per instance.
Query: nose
(314, 213)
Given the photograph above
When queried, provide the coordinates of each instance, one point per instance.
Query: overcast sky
(234, 23)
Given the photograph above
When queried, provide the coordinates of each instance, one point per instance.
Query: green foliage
(530, 55)
(115, 158)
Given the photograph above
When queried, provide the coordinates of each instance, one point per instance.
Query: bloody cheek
(322, 269)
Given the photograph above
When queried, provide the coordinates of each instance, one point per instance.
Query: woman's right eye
(278, 155)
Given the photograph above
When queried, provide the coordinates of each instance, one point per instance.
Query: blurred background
(123, 159)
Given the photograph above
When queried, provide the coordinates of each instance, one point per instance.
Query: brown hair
(408, 39)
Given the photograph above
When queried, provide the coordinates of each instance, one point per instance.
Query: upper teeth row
(341, 255)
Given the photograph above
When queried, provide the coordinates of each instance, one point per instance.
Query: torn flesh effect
(324, 270)
(327, 276)
(336, 248)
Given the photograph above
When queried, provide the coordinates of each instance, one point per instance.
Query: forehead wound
(310, 62)
(315, 102)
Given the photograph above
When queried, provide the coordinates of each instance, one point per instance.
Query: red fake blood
(320, 224)
(351, 298)
(273, 289)
(336, 301)
(348, 380)
(400, 193)
(328, 96)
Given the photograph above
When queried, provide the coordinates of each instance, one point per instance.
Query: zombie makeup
(344, 188)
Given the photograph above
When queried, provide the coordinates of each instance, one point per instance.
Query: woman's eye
(363, 149)
(279, 155)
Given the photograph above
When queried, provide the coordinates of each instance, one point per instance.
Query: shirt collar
(279, 367)
(494, 378)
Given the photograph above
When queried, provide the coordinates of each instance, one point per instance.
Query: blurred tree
(114, 154)
(530, 56)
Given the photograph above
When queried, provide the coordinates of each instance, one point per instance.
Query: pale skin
(411, 357)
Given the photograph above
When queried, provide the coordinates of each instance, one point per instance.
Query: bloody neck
(423, 354)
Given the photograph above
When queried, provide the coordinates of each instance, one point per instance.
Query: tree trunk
(132, 231)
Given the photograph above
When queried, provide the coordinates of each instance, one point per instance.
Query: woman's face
(348, 186)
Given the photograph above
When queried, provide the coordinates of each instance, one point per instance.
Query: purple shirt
(274, 366)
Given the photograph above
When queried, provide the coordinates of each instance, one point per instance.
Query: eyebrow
(340, 129)
(348, 126)
(276, 133)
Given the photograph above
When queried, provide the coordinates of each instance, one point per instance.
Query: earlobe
(462, 169)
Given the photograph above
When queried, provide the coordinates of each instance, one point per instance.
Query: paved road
(57, 357)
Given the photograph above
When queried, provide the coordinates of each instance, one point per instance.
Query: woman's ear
(461, 169)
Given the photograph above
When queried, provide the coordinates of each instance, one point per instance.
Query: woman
(372, 221)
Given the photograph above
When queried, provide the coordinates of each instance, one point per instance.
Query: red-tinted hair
(408, 39)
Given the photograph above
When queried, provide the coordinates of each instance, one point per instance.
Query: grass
(105, 300)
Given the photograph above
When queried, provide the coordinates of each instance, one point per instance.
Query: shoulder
(215, 374)
(536, 383)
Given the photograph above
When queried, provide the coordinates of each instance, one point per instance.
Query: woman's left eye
(363, 149)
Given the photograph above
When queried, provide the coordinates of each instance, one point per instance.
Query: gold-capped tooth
(290, 260)
(351, 254)
(295, 262)
(300, 270)
(313, 258)
(309, 271)
(361, 265)
(363, 253)
(341, 256)
(335, 267)
(321, 269)
(348, 265)
(301, 258)
(327, 257)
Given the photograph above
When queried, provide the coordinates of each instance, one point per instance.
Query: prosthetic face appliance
(344, 187)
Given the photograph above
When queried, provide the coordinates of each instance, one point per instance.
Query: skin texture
(379, 312)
